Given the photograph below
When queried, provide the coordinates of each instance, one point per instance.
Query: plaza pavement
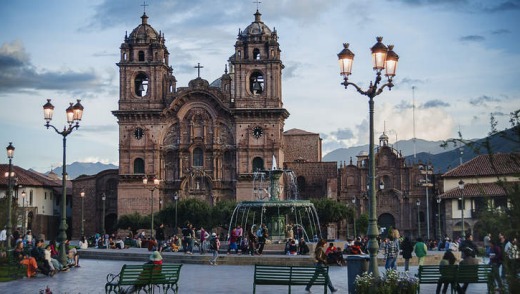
(194, 278)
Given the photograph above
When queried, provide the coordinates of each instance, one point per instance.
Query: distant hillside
(406, 147)
(76, 169)
(441, 158)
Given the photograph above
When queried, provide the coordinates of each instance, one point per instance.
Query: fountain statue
(285, 218)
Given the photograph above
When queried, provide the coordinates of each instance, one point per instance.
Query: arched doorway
(385, 222)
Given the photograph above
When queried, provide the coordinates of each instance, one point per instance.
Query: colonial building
(404, 191)
(36, 201)
(205, 140)
(474, 186)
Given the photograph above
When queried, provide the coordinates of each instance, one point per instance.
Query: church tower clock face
(138, 133)
(258, 132)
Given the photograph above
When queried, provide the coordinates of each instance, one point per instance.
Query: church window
(198, 157)
(141, 85)
(138, 166)
(258, 164)
(141, 55)
(256, 54)
(256, 83)
(239, 54)
(301, 183)
(124, 56)
(156, 57)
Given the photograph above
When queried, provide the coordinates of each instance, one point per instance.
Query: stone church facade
(204, 140)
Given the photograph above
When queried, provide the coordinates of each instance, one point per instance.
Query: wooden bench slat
(287, 275)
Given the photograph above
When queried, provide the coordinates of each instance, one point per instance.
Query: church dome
(144, 33)
(383, 137)
(256, 28)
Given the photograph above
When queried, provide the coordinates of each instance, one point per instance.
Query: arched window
(141, 85)
(141, 55)
(256, 83)
(258, 164)
(301, 183)
(256, 54)
(198, 157)
(138, 166)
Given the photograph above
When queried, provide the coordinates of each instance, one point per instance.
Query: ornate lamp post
(176, 198)
(103, 198)
(74, 114)
(82, 194)
(427, 170)
(418, 203)
(384, 58)
(23, 207)
(461, 187)
(152, 188)
(354, 203)
(439, 235)
(9, 176)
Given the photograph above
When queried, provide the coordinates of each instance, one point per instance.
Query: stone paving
(194, 278)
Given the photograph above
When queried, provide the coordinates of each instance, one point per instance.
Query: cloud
(403, 105)
(18, 73)
(472, 38)
(501, 32)
(291, 70)
(344, 134)
(412, 82)
(503, 6)
(434, 104)
(483, 100)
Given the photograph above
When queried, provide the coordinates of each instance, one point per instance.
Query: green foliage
(222, 212)
(330, 211)
(134, 220)
(362, 224)
(195, 211)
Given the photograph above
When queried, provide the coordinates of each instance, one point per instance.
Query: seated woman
(25, 259)
(72, 255)
(331, 254)
(293, 249)
(447, 259)
(303, 248)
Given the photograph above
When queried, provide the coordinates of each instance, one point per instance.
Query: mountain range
(442, 158)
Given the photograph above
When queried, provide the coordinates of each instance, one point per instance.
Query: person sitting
(468, 258)
(356, 248)
(152, 244)
(447, 259)
(83, 244)
(38, 253)
(293, 249)
(331, 254)
(303, 248)
(72, 255)
(339, 257)
(24, 259)
(120, 244)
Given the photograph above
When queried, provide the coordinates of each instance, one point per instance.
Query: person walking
(406, 250)
(420, 250)
(159, 236)
(392, 251)
(214, 246)
(320, 260)
(203, 240)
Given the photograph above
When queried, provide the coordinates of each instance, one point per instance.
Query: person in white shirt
(3, 237)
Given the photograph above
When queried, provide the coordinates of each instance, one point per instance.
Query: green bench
(455, 274)
(145, 277)
(288, 276)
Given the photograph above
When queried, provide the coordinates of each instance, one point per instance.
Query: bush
(390, 283)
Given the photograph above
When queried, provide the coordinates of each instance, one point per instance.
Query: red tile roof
(28, 177)
(487, 165)
(476, 190)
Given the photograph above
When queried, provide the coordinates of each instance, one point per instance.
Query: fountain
(277, 214)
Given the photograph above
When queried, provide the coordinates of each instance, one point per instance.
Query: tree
(222, 212)
(330, 211)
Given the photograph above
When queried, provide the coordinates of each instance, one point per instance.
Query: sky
(459, 63)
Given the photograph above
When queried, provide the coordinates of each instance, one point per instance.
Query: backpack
(213, 243)
(259, 232)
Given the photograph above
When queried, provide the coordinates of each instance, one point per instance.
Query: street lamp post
(74, 114)
(82, 194)
(10, 153)
(418, 203)
(354, 220)
(439, 235)
(176, 198)
(23, 207)
(384, 58)
(427, 184)
(152, 188)
(461, 187)
(103, 198)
